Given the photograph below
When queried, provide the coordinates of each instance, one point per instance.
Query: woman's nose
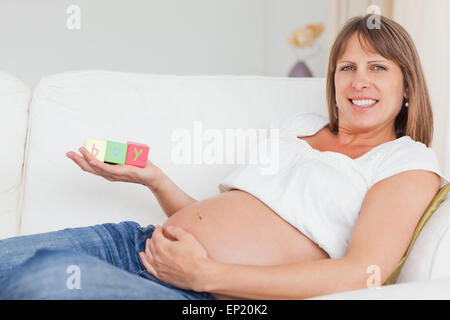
(360, 85)
(360, 81)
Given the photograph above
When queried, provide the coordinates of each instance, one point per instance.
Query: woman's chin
(361, 122)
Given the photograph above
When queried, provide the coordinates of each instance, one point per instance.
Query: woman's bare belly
(236, 227)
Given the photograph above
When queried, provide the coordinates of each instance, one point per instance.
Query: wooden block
(116, 152)
(96, 147)
(137, 154)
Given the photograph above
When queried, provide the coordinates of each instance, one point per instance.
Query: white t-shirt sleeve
(406, 156)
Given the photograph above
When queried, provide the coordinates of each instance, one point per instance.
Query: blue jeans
(96, 262)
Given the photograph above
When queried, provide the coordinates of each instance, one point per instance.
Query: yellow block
(96, 147)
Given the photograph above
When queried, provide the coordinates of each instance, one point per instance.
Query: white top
(321, 193)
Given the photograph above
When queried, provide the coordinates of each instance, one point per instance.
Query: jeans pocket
(148, 230)
(142, 235)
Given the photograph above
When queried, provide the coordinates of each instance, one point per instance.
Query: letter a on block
(96, 147)
(137, 154)
(116, 152)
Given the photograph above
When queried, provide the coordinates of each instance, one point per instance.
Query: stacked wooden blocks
(131, 153)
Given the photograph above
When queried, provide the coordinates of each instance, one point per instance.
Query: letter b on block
(116, 152)
(137, 154)
(96, 147)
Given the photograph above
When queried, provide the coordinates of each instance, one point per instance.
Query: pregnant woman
(349, 193)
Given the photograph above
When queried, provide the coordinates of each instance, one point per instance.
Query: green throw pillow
(435, 203)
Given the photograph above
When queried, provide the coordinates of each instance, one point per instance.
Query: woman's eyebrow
(371, 61)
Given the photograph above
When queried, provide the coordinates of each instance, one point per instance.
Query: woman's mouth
(361, 105)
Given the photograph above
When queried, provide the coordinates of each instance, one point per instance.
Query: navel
(198, 216)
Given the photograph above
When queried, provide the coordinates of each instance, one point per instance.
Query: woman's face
(369, 90)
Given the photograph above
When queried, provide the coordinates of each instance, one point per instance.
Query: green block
(116, 152)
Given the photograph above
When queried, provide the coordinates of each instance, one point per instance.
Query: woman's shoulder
(405, 154)
(406, 150)
(406, 145)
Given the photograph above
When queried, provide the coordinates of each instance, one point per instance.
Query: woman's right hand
(148, 176)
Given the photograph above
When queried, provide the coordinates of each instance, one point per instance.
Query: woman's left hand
(177, 262)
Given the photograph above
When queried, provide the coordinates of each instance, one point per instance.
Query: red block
(137, 154)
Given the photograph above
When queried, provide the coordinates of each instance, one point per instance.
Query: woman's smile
(362, 104)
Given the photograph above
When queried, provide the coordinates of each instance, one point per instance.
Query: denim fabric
(106, 258)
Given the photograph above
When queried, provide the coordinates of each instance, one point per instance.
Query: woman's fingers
(87, 155)
(80, 161)
(146, 262)
(86, 165)
(110, 170)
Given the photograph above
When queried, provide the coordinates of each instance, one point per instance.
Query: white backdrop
(155, 36)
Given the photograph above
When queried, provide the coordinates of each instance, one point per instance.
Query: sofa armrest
(436, 289)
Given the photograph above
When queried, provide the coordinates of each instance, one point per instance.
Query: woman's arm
(290, 281)
(169, 195)
(388, 217)
(171, 198)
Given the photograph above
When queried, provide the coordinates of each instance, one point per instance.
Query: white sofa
(42, 190)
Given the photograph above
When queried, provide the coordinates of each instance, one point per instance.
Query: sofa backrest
(69, 107)
(14, 102)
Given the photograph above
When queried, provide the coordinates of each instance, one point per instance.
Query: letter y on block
(137, 154)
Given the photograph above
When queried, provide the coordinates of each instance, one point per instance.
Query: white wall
(447, 165)
(154, 36)
(282, 16)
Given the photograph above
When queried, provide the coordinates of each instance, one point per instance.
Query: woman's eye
(377, 68)
(346, 68)
(382, 68)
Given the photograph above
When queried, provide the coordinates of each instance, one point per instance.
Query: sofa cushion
(440, 197)
(418, 290)
(429, 257)
(69, 107)
(14, 103)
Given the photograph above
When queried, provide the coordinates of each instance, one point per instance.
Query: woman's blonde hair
(394, 43)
